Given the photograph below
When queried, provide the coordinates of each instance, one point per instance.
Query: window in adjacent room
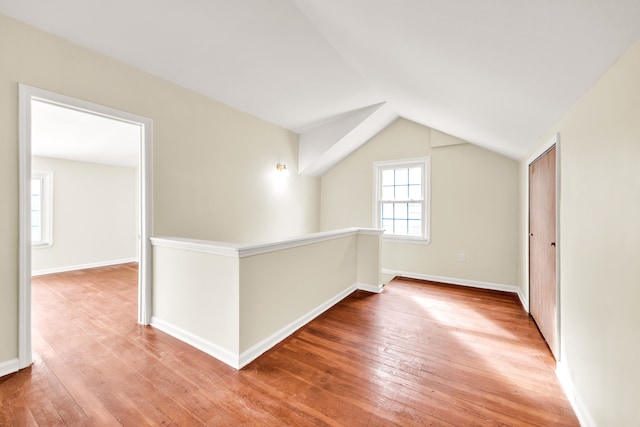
(402, 198)
(41, 208)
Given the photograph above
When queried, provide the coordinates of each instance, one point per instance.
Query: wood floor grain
(418, 354)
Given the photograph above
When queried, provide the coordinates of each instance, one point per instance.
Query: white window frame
(46, 208)
(425, 164)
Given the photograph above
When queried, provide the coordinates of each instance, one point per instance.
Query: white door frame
(555, 140)
(26, 94)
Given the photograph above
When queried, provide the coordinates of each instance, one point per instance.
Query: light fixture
(282, 170)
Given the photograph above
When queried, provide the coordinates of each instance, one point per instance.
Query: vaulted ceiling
(497, 73)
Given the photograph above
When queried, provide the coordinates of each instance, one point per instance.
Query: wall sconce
(282, 170)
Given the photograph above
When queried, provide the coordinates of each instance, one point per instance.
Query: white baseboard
(463, 282)
(82, 266)
(524, 300)
(212, 349)
(238, 361)
(258, 349)
(376, 289)
(9, 367)
(581, 411)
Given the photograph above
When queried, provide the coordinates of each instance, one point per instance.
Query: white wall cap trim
(371, 231)
(195, 245)
(245, 250)
(292, 242)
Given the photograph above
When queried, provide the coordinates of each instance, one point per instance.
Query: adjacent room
(86, 170)
(319, 213)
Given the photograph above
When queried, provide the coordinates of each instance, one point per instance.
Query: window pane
(35, 203)
(415, 176)
(387, 177)
(388, 193)
(36, 212)
(415, 211)
(415, 227)
(402, 176)
(400, 227)
(35, 219)
(36, 193)
(387, 211)
(402, 198)
(36, 187)
(400, 211)
(402, 192)
(36, 234)
(415, 192)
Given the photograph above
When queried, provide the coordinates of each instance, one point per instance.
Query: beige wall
(198, 293)
(94, 215)
(277, 288)
(474, 206)
(600, 244)
(212, 165)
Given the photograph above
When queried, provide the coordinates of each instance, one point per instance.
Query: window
(41, 208)
(402, 198)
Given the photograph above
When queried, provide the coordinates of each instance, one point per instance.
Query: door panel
(542, 246)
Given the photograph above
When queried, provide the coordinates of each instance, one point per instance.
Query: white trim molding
(64, 269)
(245, 250)
(580, 409)
(220, 353)
(195, 245)
(25, 95)
(462, 282)
(375, 289)
(524, 299)
(9, 367)
(24, 263)
(238, 361)
(260, 348)
(292, 242)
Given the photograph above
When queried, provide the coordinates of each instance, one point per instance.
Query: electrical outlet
(462, 257)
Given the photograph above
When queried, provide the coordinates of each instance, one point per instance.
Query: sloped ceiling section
(495, 73)
(324, 146)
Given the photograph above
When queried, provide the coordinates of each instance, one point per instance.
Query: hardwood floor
(417, 354)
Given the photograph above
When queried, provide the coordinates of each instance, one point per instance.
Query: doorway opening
(32, 101)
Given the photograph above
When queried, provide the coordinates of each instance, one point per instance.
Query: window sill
(403, 239)
(42, 245)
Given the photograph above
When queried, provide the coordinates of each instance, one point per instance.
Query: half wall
(235, 301)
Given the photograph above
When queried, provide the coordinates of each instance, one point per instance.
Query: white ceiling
(497, 73)
(65, 133)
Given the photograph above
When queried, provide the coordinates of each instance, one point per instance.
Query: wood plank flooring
(418, 354)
